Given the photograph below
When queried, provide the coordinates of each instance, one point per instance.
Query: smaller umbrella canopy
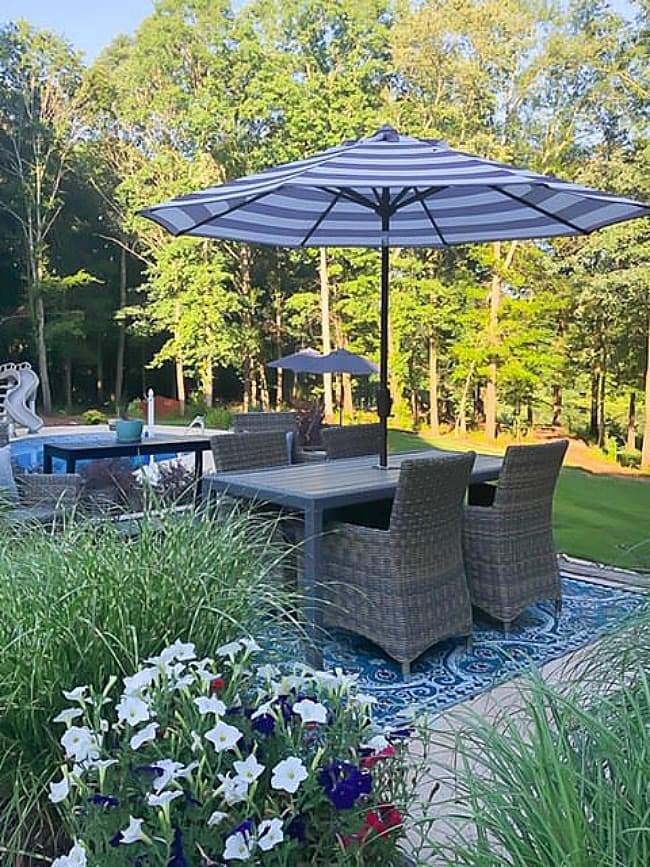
(303, 361)
(339, 361)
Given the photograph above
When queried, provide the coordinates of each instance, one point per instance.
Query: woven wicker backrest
(351, 441)
(4, 433)
(426, 519)
(529, 474)
(254, 422)
(249, 451)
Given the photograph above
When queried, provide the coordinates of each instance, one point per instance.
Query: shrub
(219, 417)
(629, 458)
(94, 416)
(82, 603)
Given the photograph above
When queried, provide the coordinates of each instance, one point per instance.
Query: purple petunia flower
(246, 828)
(178, 856)
(264, 724)
(344, 783)
(297, 829)
(104, 801)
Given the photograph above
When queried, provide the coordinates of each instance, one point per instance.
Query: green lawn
(597, 517)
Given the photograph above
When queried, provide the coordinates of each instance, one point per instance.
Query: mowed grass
(596, 516)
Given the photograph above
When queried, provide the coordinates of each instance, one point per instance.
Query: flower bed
(206, 762)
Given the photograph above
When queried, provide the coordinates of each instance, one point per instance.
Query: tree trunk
(248, 367)
(557, 406)
(42, 355)
(645, 446)
(99, 382)
(434, 421)
(325, 329)
(631, 422)
(348, 405)
(264, 388)
(121, 334)
(601, 409)
(180, 384)
(279, 373)
(67, 372)
(595, 390)
(491, 389)
(208, 383)
(461, 418)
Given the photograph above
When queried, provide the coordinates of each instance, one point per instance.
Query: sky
(90, 25)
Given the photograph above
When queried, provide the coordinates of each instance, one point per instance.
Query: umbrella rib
(320, 219)
(352, 196)
(225, 213)
(433, 222)
(540, 210)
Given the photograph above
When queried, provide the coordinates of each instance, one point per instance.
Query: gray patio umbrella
(392, 190)
(338, 361)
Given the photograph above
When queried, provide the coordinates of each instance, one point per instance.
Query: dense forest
(104, 303)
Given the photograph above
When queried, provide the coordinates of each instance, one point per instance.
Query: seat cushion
(8, 489)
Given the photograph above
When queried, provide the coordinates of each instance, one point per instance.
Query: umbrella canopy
(392, 190)
(303, 361)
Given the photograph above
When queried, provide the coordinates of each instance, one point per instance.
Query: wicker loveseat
(510, 557)
(404, 588)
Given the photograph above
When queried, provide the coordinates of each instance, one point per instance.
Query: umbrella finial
(386, 133)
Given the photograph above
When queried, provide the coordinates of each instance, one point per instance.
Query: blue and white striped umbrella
(392, 190)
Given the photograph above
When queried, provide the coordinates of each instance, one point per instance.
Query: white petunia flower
(251, 645)
(163, 799)
(101, 764)
(80, 744)
(76, 694)
(197, 744)
(140, 680)
(233, 789)
(59, 791)
(223, 736)
(134, 833)
(133, 710)
(229, 649)
(148, 733)
(178, 650)
(268, 671)
(185, 681)
(377, 743)
(310, 711)
(249, 770)
(66, 716)
(76, 857)
(216, 817)
(264, 709)
(289, 774)
(170, 770)
(269, 834)
(210, 705)
(239, 847)
(362, 699)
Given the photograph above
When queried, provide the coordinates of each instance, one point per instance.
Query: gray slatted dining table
(315, 488)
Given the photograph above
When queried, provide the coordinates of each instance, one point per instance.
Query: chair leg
(507, 627)
(558, 608)
(406, 669)
(469, 643)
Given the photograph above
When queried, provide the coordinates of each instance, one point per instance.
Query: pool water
(28, 452)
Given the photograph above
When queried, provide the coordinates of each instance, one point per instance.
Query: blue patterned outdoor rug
(447, 674)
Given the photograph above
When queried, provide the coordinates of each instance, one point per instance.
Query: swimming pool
(28, 451)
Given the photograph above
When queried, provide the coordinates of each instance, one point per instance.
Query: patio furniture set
(412, 578)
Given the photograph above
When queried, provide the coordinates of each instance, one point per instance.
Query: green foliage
(629, 458)
(94, 416)
(219, 417)
(86, 602)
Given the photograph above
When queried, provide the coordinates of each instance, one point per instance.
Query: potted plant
(128, 429)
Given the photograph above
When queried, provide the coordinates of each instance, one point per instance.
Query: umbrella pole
(341, 401)
(384, 401)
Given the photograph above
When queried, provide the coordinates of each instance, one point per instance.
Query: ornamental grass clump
(87, 601)
(227, 760)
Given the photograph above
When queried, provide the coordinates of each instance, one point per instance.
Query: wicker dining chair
(249, 451)
(352, 441)
(404, 588)
(510, 556)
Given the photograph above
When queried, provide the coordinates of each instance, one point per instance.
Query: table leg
(198, 475)
(70, 463)
(47, 462)
(313, 561)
